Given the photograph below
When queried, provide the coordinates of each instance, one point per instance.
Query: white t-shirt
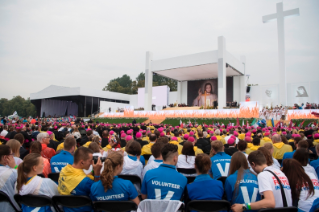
(310, 169)
(268, 182)
(182, 163)
(4, 133)
(305, 204)
(276, 164)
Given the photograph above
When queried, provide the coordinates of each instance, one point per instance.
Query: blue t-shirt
(164, 183)
(201, 188)
(83, 189)
(288, 155)
(248, 188)
(60, 160)
(315, 165)
(220, 165)
(142, 159)
(121, 190)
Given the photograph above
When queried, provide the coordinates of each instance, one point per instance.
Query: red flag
(277, 124)
(301, 124)
(237, 122)
(290, 124)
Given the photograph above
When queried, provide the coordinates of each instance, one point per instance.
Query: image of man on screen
(205, 98)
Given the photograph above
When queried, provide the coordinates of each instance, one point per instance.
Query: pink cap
(247, 138)
(111, 132)
(213, 138)
(267, 133)
(160, 129)
(122, 131)
(208, 131)
(284, 133)
(297, 136)
(254, 131)
(233, 137)
(191, 139)
(49, 132)
(191, 133)
(264, 129)
(231, 141)
(128, 138)
(55, 127)
(138, 135)
(162, 134)
(174, 138)
(235, 133)
(123, 135)
(316, 136)
(186, 136)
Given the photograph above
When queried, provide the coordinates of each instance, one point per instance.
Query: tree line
(126, 85)
(24, 107)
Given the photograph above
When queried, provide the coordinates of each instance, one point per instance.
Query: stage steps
(154, 121)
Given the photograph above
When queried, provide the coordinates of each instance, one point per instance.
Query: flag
(272, 122)
(254, 123)
(181, 123)
(290, 124)
(247, 124)
(301, 124)
(243, 123)
(237, 124)
(277, 124)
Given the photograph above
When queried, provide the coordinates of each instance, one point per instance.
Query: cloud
(86, 43)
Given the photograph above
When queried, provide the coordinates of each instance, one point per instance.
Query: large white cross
(280, 15)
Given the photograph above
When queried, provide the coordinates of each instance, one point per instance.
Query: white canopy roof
(196, 66)
(60, 91)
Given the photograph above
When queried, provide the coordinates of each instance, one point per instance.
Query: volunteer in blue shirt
(73, 180)
(110, 186)
(201, 188)
(65, 157)
(220, 160)
(315, 163)
(241, 185)
(164, 182)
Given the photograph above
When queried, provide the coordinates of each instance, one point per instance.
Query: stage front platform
(182, 108)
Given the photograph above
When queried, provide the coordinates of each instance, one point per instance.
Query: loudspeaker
(248, 89)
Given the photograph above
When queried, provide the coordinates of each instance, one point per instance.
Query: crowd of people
(252, 168)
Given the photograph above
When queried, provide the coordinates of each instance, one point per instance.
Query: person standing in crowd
(29, 183)
(73, 180)
(65, 157)
(220, 160)
(268, 185)
(305, 184)
(155, 180)
(201, 188)
(8, 177)
(110, 186)
(241, 185)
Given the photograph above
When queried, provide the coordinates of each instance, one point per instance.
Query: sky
(82, 43)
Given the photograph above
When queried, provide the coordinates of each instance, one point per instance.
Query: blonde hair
(268, 146)
(111, 162)
(217, 146)
(15, 147)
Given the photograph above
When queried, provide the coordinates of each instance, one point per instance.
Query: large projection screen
(159, 96)
(196, 91)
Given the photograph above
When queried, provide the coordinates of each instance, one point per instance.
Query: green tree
(24, 107)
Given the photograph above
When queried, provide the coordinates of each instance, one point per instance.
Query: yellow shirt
(220, 138)
(280, 149)
(265, 140)
(180, 147)
(315, 142)
(251, 149)
(197, 150)
(146, 149)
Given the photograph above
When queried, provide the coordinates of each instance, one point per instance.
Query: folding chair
(41, 175)
(54, 176)
(114, 206)
(283, 209)
(190, 179)
(222, 179)
(313, 156)
(34, 200)
(133, 178)
(5, 198)
(71, 201)
(147, 157)
(208, 205)
(186, 171)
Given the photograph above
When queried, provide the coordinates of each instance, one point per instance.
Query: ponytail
(111, 162)
(25, 168)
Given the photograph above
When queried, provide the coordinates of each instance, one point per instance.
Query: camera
(95, 158)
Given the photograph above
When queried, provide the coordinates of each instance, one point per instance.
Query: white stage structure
(280, 16)
(205, 65)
